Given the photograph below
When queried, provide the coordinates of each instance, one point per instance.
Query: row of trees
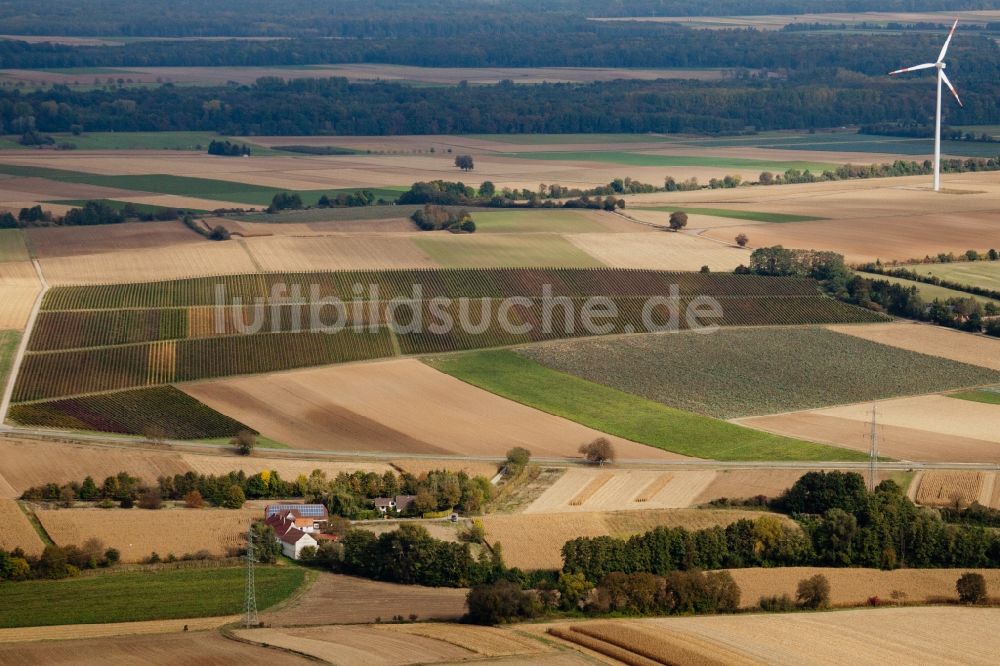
(840, 523)
(228, 148)
(337, 107)
(56, 562)
(347, 495)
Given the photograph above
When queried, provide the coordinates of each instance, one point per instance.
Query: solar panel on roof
(305, 510)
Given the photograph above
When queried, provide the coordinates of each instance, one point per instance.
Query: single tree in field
(971, 588)
(678, 220)
(244, 442)
(599, 451)
(464, 162)
(742, 240)
(813, 593)
(517, 458)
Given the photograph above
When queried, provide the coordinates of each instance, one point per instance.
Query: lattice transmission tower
(873, 450)
(250, 595)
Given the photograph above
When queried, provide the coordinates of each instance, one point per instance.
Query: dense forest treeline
(334, 106)
(392, 18)
(972, 57)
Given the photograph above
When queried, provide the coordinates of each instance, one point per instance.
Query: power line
(250, 595)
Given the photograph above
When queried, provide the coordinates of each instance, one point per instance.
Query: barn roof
(303, 510)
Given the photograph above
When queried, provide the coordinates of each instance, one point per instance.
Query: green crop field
(8, 347)
(990, 396)
(138, 596)
(754, 216)
(743, 372)
(929, 292)
(536, 220)
(498, 251)
(984, 274)
(176, 414)
(624, 414)
(643, 159)
(12, 245)
(205, 188)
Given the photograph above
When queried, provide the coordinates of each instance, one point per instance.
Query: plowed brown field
(400, 406)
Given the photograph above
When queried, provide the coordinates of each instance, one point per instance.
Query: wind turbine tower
(942, 78)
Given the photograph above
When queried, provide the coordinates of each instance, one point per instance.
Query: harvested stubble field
(418, 467)
(359, 646)
(659, 250)
(402, 406)
(535, 540)
(138, 532)
(203, 647)
(75, 632)
(341, 252)
(900, 442)
(931, 340)
(853, 587)
(336, 599)
(949, 488)
(939, 635)
(51, 242)
(756, 371)
(16, 531)
(550, 221)
(738, 484)
(484, 641)
(587, 490)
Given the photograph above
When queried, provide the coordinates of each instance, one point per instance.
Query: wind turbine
(941, 77)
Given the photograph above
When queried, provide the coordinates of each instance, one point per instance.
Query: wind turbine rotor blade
(926, 65)
(944, 49)
(944, 77)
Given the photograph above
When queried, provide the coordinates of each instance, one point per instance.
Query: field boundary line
(22, 347)
(246, 248)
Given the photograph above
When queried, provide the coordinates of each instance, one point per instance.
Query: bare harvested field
(895, 441)
(443, 530)
(16, 531)
(470, 467)
(400, 406)
(205, 647)
(341, 252)
(164, 263)
(76, 632)
(336, 599)
(399, 644)
(51, 242)
(359, 646)
(856, 586)
(535, 541)
(953, 488)
(589, 490)
(16, 303)
(736, 484)
(779, 21)
(28, 463)
(894, 239)
(933, 340)
(662, 250)
(138, 532)
(874, 637)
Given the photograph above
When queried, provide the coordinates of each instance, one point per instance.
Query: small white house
(294, 540)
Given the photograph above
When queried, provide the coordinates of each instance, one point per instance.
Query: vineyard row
(46, 375)
(390, 284)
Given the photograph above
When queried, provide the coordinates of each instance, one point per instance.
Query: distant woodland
(793, 79)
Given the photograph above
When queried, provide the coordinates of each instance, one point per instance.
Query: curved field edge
(626, 415)
(145, 595)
